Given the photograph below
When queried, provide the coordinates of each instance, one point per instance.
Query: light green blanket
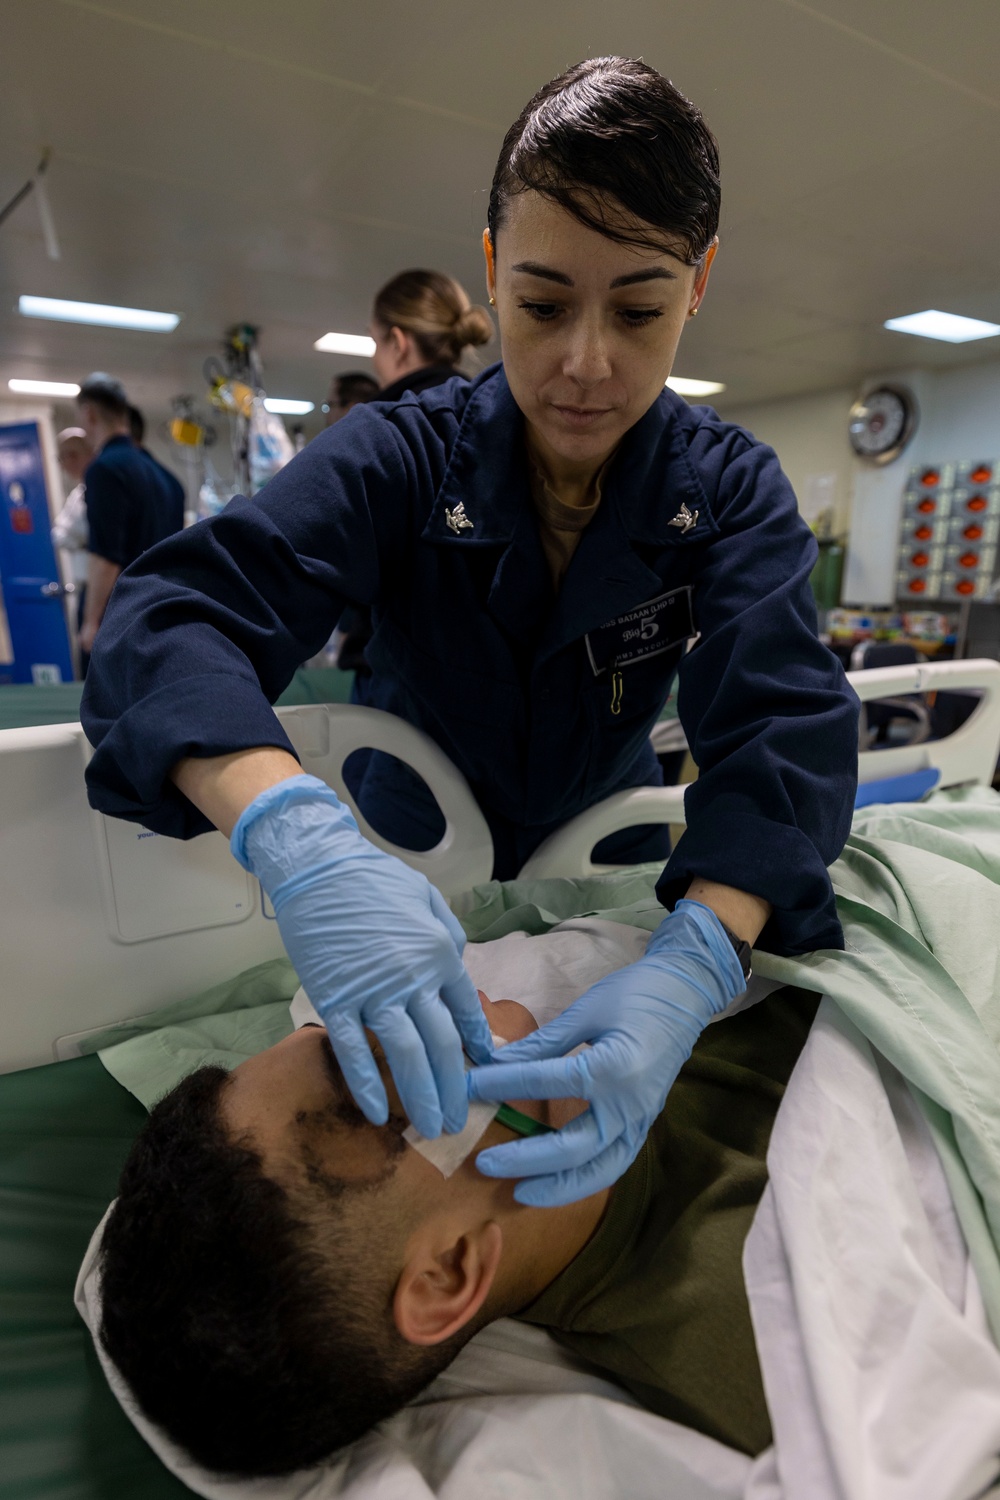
(223, 1026)
(918, 891)
(233, 1021)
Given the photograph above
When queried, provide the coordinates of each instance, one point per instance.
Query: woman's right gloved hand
(374, 945)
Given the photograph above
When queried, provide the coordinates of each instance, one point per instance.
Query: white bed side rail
(101, 921)
(968, 755)
(324, 735)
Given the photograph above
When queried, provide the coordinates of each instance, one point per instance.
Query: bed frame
(101, 921)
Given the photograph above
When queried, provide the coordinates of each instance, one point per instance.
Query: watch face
(881, 424)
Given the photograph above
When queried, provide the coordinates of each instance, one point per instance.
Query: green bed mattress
(65, 1130)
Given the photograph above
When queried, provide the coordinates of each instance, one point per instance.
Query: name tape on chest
(651, 628)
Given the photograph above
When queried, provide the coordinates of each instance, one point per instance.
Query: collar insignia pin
(684, 518)
(457, 519)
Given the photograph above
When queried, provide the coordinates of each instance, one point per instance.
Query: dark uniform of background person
(132, 500)
(137, 427)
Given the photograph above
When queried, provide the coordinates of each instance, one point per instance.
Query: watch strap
(741, 948)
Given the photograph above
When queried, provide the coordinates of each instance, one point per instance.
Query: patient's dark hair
(252, 1319)
(612, 130)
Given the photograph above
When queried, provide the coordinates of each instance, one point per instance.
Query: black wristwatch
(742, 948)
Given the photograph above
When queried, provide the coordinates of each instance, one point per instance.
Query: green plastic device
(522, 1124)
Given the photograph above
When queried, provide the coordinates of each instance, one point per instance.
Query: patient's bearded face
(294, 1105)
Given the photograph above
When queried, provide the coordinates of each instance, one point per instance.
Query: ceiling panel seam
(315, 75)
(989, 101)
(170, 179)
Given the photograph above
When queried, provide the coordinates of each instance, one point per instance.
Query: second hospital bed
(99, 924)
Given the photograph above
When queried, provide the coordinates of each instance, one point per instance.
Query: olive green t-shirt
(656, 1299)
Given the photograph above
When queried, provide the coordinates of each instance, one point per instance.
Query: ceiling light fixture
(942, 325)
(695, 387)
(43, 387)
(97, 313)
(285, 408)
(346, 343)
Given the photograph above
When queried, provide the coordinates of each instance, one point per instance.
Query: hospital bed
(101, 922)
(95, 907)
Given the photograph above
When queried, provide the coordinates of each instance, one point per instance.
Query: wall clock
(882, 422)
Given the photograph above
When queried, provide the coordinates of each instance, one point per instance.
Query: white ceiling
(275, 163)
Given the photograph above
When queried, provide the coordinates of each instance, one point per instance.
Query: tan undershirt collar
(560, 526)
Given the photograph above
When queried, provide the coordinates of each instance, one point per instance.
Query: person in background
(132, 501)
(70, 532)
(347, 391)
(137, 427)
(422, 323)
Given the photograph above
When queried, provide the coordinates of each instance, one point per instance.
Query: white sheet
(513, 1417)
(880, 1372)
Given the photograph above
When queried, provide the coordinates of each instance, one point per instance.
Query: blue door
(32, 591)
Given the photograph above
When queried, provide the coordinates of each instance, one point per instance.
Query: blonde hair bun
(435, 309)
(475, 326)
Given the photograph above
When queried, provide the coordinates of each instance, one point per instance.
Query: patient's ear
(440, 1291)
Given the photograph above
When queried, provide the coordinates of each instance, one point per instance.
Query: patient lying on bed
(279, 1275)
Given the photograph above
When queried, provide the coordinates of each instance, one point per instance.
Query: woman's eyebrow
(535, 268)
(654, 273)
(547, 273)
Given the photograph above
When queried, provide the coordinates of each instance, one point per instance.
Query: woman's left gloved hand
(642, 1022)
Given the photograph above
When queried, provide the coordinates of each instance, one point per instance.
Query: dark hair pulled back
(613, 134)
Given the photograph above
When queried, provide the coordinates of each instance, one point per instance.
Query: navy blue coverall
(422, 510)
(133, 502)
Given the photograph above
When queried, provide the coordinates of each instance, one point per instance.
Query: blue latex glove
(374, 945)
(642, 1022)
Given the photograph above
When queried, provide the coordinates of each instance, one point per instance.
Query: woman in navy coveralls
(538, 550)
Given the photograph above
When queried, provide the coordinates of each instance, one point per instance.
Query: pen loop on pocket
(616, 691)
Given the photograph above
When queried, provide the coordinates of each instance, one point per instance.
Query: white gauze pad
(448, 1152)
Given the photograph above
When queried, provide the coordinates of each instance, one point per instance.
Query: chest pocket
(625, 649)
(632, 695)
(621, 710)
(632, 660)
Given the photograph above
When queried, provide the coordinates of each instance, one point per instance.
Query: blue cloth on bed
(908, 788)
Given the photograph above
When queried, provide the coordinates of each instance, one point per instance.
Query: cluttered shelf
(933, 635)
